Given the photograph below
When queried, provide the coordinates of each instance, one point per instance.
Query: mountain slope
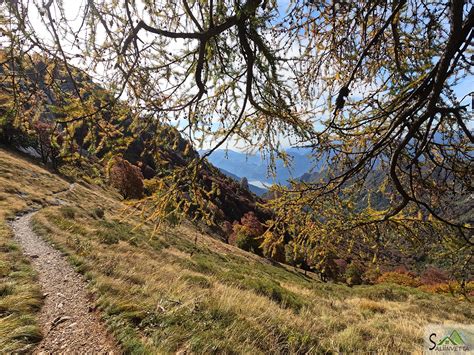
(181, 290)
(39, 127)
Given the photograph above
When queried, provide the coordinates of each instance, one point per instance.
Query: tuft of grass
(205, 266)
(272, 289)
(197, 280)
(99, 212)
(111, 232)
(106, 237)
(68, 212)
(371, 306)
(387, 292)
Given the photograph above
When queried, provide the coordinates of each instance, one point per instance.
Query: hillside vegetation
(143, 157)
(182, 290)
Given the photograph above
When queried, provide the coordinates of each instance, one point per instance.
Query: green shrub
(326, 267)
(111, 232)
(296, 255)
(106, 237)
(247, 242)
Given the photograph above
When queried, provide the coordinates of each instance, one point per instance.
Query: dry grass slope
(167, 294)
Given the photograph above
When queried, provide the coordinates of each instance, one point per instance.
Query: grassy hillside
(181, 290)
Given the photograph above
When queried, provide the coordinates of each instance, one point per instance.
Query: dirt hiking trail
(68, 320)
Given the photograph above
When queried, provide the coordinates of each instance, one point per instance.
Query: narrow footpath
(68, 319)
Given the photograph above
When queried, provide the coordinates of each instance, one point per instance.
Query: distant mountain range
(255, 168)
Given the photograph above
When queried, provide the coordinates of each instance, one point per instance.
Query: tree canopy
(367, 85)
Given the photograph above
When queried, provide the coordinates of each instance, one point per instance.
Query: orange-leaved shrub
(399, 278)
(435, 280)
(126, 178)
(402, 269)
(450, 287)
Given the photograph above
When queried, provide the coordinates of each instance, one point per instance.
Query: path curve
(68, 318)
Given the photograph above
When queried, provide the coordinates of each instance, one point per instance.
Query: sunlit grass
(181, 296)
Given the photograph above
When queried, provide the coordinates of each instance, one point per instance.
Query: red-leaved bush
(432, 275)
(246, 234)
(126, 178)
(250, 221)
(49, 140)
